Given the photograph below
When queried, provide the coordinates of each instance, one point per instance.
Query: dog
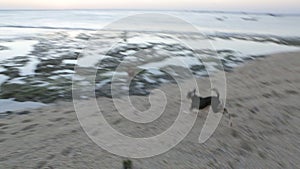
(200, 103)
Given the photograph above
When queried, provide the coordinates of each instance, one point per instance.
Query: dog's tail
(217, 92)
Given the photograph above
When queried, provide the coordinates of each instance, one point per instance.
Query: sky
(282, 6)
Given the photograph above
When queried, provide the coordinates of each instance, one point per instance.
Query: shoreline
(36, 105)
(43, 70)
(262, 96)
(33, 86)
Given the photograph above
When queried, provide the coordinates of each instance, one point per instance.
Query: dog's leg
(225, 111)
(229, 116)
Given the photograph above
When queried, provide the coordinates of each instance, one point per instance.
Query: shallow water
(16, 48)
(3, 78)
(29, 68)
(27, 23)
(251, 48)
(11, 105)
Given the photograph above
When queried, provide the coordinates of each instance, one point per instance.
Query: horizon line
(181, 10)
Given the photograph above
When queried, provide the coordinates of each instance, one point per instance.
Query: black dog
(200, 103)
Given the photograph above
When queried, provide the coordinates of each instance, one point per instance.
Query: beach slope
(263, 98)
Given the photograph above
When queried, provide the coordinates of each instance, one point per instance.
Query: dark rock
(109, 63)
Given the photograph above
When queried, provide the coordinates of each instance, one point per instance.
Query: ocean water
(30, 22)
(39, 49)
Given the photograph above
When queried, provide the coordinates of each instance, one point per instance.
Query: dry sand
(263, 97)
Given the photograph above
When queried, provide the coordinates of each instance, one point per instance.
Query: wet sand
(263, 98)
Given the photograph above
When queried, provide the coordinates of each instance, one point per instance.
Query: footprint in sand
(57, 119)
(50, 157)
(235, 134)
(68, 112)
(67, 151)
(27, 121)
(41, 164)
(2, 124)
(2, 140)
(291, 92)
(29, 127)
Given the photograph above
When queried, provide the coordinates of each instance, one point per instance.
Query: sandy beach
(263, 98)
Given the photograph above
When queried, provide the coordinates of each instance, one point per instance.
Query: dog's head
(191, 94)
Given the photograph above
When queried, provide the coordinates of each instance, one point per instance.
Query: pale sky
(286, 6)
